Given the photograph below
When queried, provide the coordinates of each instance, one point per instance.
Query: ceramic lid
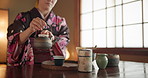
(43, 35)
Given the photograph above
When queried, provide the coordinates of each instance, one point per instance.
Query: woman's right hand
(37, 24)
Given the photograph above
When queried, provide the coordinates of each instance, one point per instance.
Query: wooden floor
(124, 70)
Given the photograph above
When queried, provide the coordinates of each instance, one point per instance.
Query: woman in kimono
(28, 25)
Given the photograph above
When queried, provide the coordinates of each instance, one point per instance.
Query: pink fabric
(23, 54)
(14, 53)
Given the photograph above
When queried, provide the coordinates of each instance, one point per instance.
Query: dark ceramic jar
(113, 59)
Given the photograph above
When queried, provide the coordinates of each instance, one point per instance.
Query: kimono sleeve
(15, 51)
(62, 40)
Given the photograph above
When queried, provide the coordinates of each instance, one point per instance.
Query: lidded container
(42, 42)
(85, 60)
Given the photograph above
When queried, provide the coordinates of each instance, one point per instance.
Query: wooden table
(124, 70)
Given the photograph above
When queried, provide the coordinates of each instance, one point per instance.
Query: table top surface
(125, 69)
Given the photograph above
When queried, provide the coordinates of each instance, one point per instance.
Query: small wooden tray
(66, 66)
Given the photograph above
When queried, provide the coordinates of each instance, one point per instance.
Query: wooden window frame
(120, 51)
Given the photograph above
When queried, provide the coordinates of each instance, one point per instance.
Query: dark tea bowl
(59, 60)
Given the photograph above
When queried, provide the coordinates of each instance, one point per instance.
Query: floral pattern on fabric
(23, 54)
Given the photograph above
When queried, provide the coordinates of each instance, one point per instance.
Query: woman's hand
(37, 24)
(48, 33)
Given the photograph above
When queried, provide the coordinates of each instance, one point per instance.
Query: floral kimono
(24, 53)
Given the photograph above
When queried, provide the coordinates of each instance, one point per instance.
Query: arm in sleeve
(62, 40)
(15, 51)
